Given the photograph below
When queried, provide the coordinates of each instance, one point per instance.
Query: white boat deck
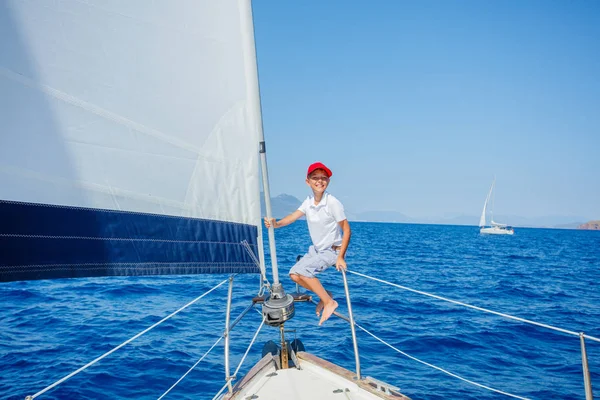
(316, 379)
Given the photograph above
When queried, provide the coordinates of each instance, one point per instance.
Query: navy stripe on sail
(40, 241)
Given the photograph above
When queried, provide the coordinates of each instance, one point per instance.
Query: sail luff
(255, 115)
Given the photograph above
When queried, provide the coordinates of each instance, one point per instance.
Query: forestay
(129, 141)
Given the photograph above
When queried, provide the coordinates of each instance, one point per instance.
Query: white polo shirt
(323, 220)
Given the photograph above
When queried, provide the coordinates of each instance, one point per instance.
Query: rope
(264, 282)
(124, 343)
(190, 370)
(242, 360)
(220, 391)
(249, 347)
(441, 369)
(250, 252)
(347, 393)
(238, 319)
(476, 308)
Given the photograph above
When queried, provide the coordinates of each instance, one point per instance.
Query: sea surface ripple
(50, 328)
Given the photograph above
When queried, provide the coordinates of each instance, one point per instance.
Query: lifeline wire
(249, 347)
(420, 361)
(477, 308)
(122, 344)
(220, 391)
(242, 360)
(238, 319)
(190, 370)
(441, 369)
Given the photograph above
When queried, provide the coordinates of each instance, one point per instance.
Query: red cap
(319, 165)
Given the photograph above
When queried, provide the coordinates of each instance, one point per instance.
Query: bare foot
(322, 304)
(320, 308)
(328, 310)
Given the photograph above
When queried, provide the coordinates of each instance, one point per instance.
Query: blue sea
(51, 328)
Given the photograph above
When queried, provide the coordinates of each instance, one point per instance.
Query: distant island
(592, 226)
(284, 204)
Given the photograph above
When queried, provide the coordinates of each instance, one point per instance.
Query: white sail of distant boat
(493, 228)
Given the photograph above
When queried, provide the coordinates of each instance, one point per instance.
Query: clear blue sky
(416, 105)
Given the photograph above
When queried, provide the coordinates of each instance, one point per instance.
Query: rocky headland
(592, 225)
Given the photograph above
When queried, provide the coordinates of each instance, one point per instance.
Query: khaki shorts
(313, 262)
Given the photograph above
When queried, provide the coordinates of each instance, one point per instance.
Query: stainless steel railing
(582, 336)
(351, 316)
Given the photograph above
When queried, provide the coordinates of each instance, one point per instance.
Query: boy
(326, 223)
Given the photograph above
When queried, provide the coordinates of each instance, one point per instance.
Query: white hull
(314, 378)
(497, 230)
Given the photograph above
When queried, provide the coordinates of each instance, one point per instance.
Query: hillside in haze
(284, 204)
(592, 225)
(281, 205)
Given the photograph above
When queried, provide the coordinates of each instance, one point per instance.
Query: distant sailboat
(494, 228)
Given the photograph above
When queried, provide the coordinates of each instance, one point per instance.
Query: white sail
(132, 106)
(487, 199)
(116, 109)
(482, 218)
